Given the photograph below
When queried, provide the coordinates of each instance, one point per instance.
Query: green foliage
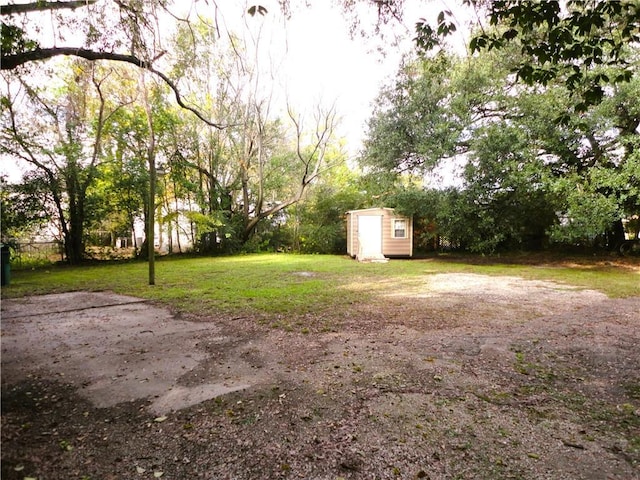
(555, 43)
(412, 128)
(507, 187)
(539, 167)
(24, 207)
(536, 172)
(317, 225)
(15, 41)
(425, 206)
(591, 206)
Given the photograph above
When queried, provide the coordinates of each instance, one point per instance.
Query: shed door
(370, 235)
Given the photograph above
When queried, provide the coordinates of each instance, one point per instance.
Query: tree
(317, 223)
(60, 136)
(151, 163)
(123, 177)
(311, 159)
(25, 207)
(107, 28)
(425, 115)
(524, 169)
(266, 159)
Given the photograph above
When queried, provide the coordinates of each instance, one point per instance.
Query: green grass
(296, 284)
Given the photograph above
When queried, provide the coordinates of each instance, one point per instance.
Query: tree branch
(10, 62)
(43, 6)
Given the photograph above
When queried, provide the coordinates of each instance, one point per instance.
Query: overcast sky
(319, 61)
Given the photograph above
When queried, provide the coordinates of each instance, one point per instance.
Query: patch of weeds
(218, 405)
(634, 444)
(628, 416)
(521, 366)
(286, 326)
(540, 414)
(545, 373)
(621, 420)
(494, 397)
(250, 420)
(633, 390)
(529, 389)
(572, 400)
(66, 445)
(538, 370)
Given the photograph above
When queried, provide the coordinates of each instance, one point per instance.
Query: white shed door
(370, 236)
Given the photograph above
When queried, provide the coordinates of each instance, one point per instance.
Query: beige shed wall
(390, 246)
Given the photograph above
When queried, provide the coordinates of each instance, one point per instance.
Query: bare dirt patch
(452, 376)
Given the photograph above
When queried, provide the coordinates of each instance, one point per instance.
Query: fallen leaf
(158, 474)
(160, 419)
(140, 470)
(19, 468)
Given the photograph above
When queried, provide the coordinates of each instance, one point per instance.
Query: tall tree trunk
(151, 159)
(74, 238)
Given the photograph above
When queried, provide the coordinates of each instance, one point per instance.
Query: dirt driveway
(455, 376)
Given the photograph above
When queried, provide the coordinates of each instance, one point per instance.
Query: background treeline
(527, 165)
(537, 171)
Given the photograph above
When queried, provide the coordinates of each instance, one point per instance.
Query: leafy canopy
(556, 42)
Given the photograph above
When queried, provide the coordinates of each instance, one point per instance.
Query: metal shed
(378, 233)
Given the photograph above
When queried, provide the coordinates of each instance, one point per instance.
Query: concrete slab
(113, 348)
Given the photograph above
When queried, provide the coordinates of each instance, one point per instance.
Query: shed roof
(373, 209)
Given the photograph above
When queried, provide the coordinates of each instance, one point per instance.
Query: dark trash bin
(6, 264)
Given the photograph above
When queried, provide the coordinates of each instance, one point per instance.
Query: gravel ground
(455, 376)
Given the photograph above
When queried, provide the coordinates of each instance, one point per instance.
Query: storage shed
(378, 233)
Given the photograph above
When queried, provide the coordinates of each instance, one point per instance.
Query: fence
(25, 253)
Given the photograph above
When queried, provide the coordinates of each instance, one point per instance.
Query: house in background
(378, 233)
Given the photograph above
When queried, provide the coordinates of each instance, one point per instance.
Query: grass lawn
(287, 283)
(344, 370)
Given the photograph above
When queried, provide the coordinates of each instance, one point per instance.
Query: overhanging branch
(42, 6)
(10, 62)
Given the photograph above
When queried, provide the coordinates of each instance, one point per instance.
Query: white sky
(323, 63)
